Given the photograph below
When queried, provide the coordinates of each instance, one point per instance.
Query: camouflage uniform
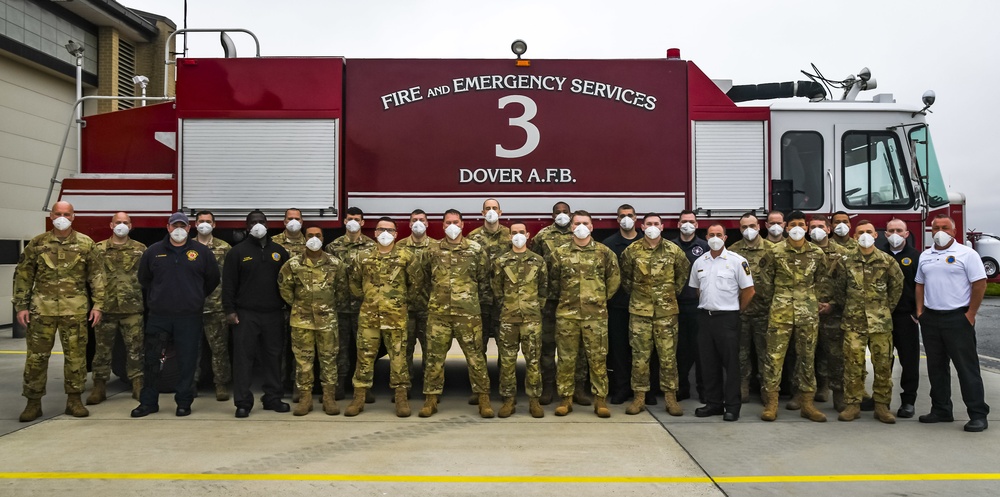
(384, 282)
(294, 246)
(830, 344)
(122, 308)
(789, 278)
(215, 325)
(583, 279)
(874, 285)
(544, 243)
(753, 321)
(312, 288)
(654, 277)
(416, 319)
(495, 244)
(52, 280)
(848, 243)
(348, 307)
(454, 279)
(519, 284)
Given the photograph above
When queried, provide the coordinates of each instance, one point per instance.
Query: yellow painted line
(22, 352)
(503, 479)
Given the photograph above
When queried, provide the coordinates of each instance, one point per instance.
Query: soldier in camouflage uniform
(453, 276)
(416, 319)
(830, 292)
(119, 256)
(213, 319)
(494, 238)
(294, 242)
(312, 283)
(383, 278)
(519, 284)
(789, 275)
(753, 321)
(584, 275)
(654, 271)
(56, 275)
(842, 230)
(874, 285)
(346, 248)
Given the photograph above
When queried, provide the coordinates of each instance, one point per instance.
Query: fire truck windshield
(923, 152)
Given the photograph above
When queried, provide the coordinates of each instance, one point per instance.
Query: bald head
(63, 208)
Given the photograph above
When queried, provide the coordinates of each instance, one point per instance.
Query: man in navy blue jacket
(176, 273)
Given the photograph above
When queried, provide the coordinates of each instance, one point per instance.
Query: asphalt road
(988, 333)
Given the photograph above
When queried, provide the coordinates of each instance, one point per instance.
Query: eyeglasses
(387, 230)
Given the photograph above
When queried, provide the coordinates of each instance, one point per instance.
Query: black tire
(992, 268)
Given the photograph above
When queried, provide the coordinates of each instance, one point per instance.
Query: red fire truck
(391, 135)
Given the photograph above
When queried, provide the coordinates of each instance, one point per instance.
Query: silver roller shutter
(730, 166)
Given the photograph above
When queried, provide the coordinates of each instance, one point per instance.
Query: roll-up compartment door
(730, 166)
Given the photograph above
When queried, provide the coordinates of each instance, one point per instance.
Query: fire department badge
(276, 256)
(697, 251)
(906, 261)
(192, 255)
(950, 259)
(746, 268)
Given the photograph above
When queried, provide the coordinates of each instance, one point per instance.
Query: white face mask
(797, 233)
(716, 243)
(626, 223)
(314, 244)
(896, 241)
(453, 231)
(581, 231)
(492, 217)
(385, 238)
(293, 226)
(652, 232)
(121, 230)
(418, 227)
(205, 228)
(258, 231)
(818, 234)
(687, 228)
(750, 234)
(353, 226)
(179, 235)
(842, 229)
(61, 223)
(562, 219)
(519, 240)
(775, 230)
(941, 238)
(866, 240)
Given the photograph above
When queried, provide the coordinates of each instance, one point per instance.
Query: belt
(962, 310)
(718, 313)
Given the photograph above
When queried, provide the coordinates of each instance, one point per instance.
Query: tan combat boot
(99, 393)
(745, 391)
(221, 392)
(330, 406)
(822, 390)
(838, 401)
(304, 406)
(581, 395)
(137, 387)
(565, 407)
(601, 407)
(670, 399)
(358, 404)
(883, 414)
(402, 403)
(485, 409)
(430, 406)
(795, 403)
(638, 403)
(507, 408)
(535, 408)
(770, 405)
(850, 412)
(809, 410)
(32, 411)
(74, 406)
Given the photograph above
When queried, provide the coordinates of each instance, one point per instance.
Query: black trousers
(687, 351)
(906, 340)
(619, 351)
(719, 349)
(185, 332)
(948, 336)
(260, 336)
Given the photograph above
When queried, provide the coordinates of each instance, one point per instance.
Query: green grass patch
(993, 289)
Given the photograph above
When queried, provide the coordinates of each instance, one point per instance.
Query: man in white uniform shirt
(950, 284)
(725, 288)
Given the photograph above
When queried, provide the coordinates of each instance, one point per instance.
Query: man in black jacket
(905, 333)
(252, 303)
(176, 273)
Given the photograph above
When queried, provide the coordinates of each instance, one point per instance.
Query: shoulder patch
(906, 261)
(746, 267)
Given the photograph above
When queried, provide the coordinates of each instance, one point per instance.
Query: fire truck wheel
(992, 268)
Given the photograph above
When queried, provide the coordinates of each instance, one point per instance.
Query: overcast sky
(910, 46)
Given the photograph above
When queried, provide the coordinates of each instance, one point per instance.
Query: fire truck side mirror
(781, 195)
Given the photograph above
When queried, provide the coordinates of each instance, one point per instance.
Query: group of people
(795, 309)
